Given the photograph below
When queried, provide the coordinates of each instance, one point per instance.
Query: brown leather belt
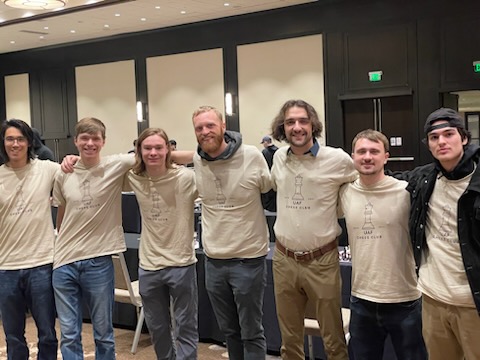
(308, 254)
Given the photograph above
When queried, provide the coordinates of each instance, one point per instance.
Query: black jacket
(421, 182)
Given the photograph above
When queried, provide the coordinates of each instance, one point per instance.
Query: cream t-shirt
(27, 236)
(383, 267)
(442, 273)
(233, 220)
(307, 191)
(166, 206)
(92, 224)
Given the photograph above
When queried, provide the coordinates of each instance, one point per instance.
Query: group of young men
(437, 206)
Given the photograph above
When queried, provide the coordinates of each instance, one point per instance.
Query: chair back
(124, 291)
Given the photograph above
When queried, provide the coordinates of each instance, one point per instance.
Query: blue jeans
(156, 289)
(32, 289)
(235, 288)
(90, 281)
(371, 322)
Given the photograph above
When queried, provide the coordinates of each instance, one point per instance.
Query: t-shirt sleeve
(264, 178)
(58, 198)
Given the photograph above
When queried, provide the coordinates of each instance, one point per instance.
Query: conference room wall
(270, 73)
(107, 92)
(17, 97)
(441, 60)
(177, 85)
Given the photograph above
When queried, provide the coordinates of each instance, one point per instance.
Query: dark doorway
(393, 116)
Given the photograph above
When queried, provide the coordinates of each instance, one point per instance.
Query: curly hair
(278, 129)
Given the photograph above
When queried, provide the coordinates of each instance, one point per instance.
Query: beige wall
(107, 92)
(17, 97)
(273, 72)
(269, 73)
(177, 85)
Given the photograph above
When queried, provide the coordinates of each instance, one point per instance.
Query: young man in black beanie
(445, 230)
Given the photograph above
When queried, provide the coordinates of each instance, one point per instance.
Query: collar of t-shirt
(312, 151)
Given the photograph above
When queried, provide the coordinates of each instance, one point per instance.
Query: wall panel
(177, 85)
(17, 97)
(273, 72)
(107, 92)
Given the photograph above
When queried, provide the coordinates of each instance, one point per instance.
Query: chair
(127, 292)
(312, 328)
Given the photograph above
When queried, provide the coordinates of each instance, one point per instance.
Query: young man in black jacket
(445, 230)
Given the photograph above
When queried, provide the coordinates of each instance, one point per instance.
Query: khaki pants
(318, 281)
(450, 332)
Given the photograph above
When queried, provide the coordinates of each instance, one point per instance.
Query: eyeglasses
(293, 121)
(18, 139)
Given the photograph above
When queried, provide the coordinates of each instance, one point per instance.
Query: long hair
(278, 129)
(139, 167)
(26, 131)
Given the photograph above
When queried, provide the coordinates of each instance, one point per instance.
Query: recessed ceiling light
(12, 42)
(73, 31)
(226, 4)
(157, 7)
(183, 12)
(41, 37)
(117, 15)
(143, 19)
(106, 26)
(45, 28)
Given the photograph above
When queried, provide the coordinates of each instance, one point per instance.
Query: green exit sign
(375, 76)
(476, 66)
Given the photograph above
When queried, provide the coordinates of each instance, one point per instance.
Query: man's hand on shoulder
(68, 163)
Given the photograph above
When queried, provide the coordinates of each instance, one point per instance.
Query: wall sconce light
(229, 104)
(140, 111)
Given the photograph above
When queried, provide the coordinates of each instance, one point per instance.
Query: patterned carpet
(123, 343)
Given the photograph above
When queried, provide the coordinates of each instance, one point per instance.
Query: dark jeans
(371, 322)
(235, 288)
(28, 289)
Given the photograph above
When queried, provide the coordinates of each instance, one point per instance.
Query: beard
(211, 144)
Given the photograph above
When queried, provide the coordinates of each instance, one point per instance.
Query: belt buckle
(297, 254)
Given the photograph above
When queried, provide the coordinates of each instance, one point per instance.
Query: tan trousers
(450, 332)
(316, 280)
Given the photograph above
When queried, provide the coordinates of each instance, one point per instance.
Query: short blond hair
(207, 108)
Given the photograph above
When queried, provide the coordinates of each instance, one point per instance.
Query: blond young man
(26, 242)
(90, 231)
(230, 177)
(307, 178)
(166, 195)
(385, 300)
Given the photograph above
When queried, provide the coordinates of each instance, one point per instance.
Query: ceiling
(87, 19)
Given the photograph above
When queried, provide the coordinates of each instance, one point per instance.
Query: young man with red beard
(230, 177)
